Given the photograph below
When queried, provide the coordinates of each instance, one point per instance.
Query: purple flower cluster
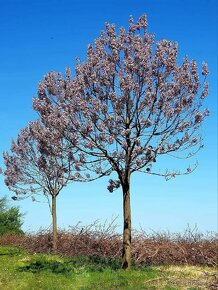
(40, 161)
(128, 103)
(129, 94)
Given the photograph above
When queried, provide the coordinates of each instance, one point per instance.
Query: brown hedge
(189, 248)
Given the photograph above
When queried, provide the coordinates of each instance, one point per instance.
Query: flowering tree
(129, 104)
(39, 164)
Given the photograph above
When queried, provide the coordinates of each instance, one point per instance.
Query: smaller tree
(10, 218)
(39, 165)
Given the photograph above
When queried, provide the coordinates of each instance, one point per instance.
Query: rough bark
(54, 224)
(126, 256)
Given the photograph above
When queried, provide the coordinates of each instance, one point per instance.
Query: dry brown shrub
(189, 248)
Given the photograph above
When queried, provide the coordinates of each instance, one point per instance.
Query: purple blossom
(113, 185)
(204, 69)
(198, 117)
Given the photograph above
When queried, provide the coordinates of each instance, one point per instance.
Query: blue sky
(42, 35)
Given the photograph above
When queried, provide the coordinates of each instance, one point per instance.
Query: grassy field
(20, 270)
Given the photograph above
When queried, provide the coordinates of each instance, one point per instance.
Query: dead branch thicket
(189, 248)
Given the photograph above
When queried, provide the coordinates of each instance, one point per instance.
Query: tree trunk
(126, 257)
(54, 224)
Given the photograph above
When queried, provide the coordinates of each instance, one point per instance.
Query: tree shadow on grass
(45, 265)
(96, 263)
(73, 264)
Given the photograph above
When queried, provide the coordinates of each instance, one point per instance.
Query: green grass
(20, 270)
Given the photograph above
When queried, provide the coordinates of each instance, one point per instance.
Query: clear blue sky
(42, 35)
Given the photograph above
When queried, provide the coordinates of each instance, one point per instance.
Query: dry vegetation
(189, 248)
